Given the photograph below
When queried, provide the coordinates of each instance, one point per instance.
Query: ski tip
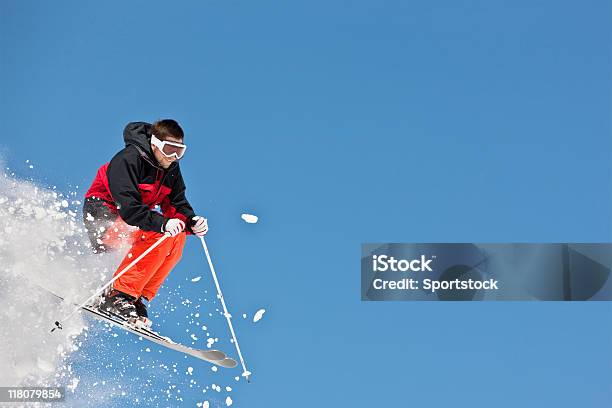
(213, 355)
(226, 362)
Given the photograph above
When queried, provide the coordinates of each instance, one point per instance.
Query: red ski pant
(145, 278)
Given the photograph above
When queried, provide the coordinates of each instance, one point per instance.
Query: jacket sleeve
(176, 204)
(123, 174)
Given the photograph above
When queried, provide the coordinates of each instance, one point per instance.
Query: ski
(215, 357)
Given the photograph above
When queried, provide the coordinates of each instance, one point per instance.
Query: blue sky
(340, 123)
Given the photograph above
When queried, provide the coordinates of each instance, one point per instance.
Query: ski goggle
(169, 149)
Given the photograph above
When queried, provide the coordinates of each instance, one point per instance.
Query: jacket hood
(139, 135)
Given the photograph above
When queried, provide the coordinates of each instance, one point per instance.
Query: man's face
(162, 160)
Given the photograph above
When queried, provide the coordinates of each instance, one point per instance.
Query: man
(126, 192)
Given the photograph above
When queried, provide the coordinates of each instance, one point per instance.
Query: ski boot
(119, 304)
(143, 320)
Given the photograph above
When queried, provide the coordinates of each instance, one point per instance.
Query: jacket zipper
(157, 170)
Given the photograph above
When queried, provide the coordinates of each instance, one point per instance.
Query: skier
(121, 206)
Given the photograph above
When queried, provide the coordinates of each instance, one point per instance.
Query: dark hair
(167, 127)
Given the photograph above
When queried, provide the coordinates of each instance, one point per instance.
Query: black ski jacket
(133, 184)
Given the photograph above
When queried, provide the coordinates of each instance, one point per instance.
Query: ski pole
(246, 373)
(58, 325)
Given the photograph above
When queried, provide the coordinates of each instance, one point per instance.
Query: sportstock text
(384, 263)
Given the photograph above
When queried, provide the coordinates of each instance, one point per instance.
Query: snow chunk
(249, 218)
(190, 370)
(228, 401)
(258, 315)
(73, 384)
(197, 278)
(214, 368)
